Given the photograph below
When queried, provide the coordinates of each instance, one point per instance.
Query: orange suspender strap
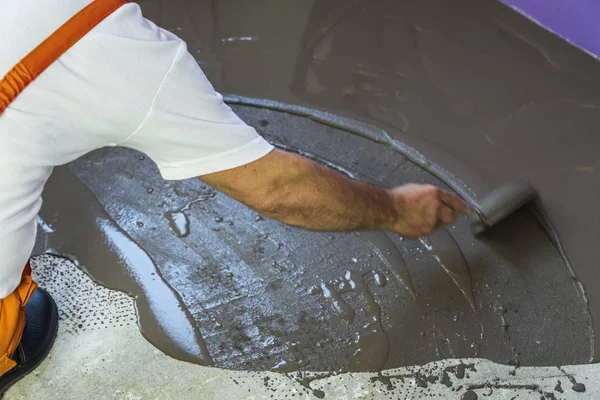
(36, 62)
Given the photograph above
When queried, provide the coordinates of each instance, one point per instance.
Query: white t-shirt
(126, 83)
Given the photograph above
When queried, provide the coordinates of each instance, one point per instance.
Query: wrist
(392, 210)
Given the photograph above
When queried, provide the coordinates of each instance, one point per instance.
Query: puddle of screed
(265, 296)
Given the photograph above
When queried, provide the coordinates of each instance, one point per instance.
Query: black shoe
(41, 325)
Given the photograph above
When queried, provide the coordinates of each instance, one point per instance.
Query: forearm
(311, 196)
(300, 192)
(318, 198)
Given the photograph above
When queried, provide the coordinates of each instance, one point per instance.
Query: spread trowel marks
(446, 251)
(387, 251)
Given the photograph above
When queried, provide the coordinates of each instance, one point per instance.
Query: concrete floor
(101, 354)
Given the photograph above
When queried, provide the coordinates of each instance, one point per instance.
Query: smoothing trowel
(499, 204)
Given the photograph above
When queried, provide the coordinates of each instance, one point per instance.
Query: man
(95, 74)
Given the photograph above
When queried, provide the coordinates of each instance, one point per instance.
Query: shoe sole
(21, 371)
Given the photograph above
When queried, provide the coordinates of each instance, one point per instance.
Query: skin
(299, 192)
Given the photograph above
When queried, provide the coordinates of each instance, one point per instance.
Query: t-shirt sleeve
(190, 131)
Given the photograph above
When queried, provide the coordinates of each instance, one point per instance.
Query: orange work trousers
(12, 319)
(12, 308)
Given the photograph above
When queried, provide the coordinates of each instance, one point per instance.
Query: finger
(454, 202)
(446, 215)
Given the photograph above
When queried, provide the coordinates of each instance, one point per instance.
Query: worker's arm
(300, 192)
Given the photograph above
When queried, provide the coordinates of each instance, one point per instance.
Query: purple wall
(577, 21)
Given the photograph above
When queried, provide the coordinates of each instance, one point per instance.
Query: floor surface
(481, 93)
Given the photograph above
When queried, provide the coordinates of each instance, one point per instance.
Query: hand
(424, 208)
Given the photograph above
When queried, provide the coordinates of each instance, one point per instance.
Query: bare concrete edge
(116, 362)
